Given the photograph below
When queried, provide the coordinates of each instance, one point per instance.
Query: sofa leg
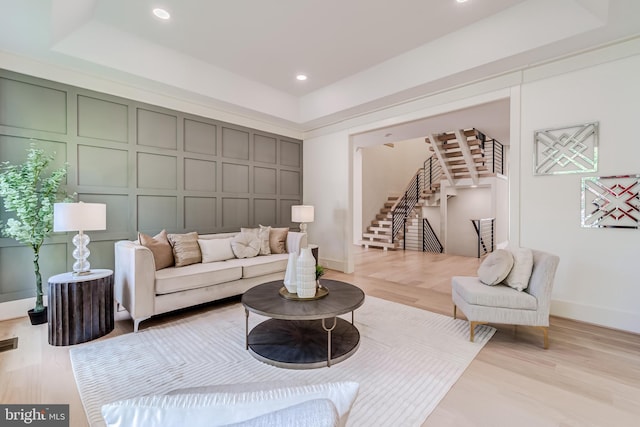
(136, 323)
(472, 329)
(454, 311)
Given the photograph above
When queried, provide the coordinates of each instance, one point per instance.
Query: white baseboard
(333, 264)
(17, 308)
(601, 316)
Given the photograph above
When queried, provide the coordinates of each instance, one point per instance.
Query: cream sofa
(145, 292)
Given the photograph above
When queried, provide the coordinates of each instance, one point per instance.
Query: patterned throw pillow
(160, 248)
(186, 250)
(261, 233)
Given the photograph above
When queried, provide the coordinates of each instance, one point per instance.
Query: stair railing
(432, 170)
(485, 229)
(430, 242)
(406, 203)
(494, 154)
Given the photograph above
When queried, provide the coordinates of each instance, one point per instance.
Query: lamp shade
(79, 216)
(301, 213)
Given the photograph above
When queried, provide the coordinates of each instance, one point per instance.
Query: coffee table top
(266, 300)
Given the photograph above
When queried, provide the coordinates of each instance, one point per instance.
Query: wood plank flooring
(590, 376)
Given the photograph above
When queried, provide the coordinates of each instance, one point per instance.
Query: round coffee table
(302, 334)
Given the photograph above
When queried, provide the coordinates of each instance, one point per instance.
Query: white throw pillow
(245, 245)
(495, 267)
(216, 249)
(218, 409)
(520, 273)
(312, 413)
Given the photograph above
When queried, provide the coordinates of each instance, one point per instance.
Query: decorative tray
(321, 292)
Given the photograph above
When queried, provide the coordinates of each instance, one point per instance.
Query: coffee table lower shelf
(303, 344)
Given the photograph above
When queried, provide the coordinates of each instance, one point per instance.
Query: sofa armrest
(134, 279)
(296, 241)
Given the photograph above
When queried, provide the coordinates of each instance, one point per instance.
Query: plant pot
(38, 318)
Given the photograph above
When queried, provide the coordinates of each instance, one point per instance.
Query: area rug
(407, 361)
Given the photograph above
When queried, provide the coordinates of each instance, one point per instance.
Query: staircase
(457, 155)
(380, 233)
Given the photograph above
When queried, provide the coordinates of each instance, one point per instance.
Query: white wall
(327, 174)
(468, 204)
(386, 171)
(597, 280)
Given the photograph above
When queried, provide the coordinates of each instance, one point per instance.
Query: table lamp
(302, 214)
(80, 217)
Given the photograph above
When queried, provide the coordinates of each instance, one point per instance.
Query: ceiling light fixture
(461, 1)
(161, 13)
(301, 77)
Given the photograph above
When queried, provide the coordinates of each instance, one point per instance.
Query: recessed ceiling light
(461, 1)
(301, 77)
(161, 13)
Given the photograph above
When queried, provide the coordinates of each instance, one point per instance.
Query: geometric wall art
(611, 202)
(572, 149)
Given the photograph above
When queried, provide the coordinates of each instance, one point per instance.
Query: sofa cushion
(278, 240)
(473, 291)
(495, 267)
(245, 245)
(261, 266)
(160, 248)
(520, 273)
(193, 276)
(218, 409)
(186, 250)
(216, 249)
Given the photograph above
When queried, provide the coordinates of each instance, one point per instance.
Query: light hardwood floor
(590, 376)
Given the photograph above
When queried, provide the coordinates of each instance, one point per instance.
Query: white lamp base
(81, 253)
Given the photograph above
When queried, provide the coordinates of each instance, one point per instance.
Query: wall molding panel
(154, 167)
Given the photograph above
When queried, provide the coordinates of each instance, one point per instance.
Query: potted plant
(319, 273)
(29, 192)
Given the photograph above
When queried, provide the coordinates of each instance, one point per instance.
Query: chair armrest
(134, 278)
(296, 241)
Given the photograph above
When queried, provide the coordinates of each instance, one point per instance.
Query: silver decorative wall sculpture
(611, 202)
(571, 149)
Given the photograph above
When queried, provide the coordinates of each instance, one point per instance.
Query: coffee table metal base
(303, 344)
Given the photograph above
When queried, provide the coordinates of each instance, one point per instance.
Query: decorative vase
(290, 274)
(306, 274)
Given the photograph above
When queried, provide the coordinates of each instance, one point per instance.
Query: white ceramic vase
(306, 274)
(290, 274)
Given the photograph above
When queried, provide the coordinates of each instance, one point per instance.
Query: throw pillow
(185, 248)
(245, 245)
(518, 277)
(216, 249)
(160, 248)
(263, 234)
(312, 413)
(278, 240)
(495, 267)
(217, 409)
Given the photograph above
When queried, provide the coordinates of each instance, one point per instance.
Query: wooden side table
(80, 308)
(314, 251)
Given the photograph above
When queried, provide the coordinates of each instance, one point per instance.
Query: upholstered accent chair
(483, 304)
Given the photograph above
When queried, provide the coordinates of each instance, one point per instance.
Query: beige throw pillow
(519, 275)
(263, 234)
(216, 249)
(278, 240)
(245, 245)
(186, 250)
(160, 248)
(495, 267)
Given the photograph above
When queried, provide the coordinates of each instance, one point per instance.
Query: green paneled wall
(154, 168)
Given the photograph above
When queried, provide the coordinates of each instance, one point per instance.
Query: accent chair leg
(545, 334)
(472, 329)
